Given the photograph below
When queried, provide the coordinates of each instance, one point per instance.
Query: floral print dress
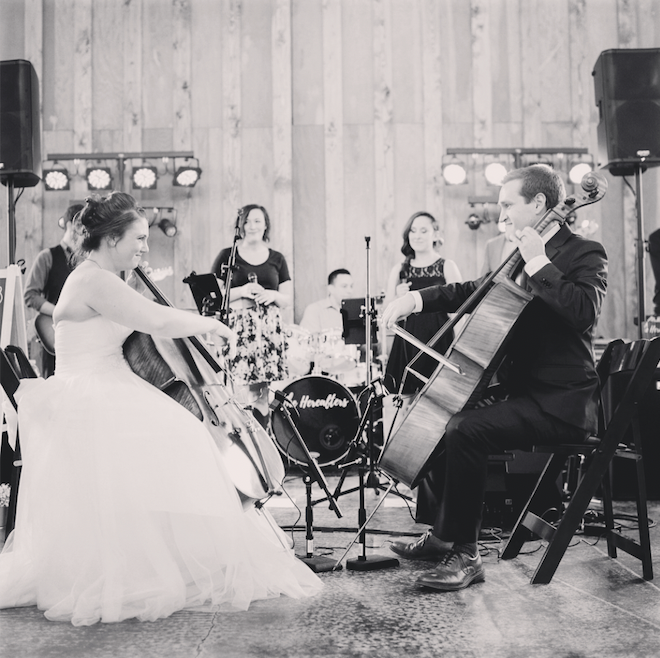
(260, 355)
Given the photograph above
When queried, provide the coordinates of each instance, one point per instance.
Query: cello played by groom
(549, 372)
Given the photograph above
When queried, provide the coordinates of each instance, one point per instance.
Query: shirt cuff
(536, 264)
(419, 304)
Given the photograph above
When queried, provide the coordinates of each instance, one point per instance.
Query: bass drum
(327, 422)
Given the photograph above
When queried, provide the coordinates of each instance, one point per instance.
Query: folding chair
(625, 370)
(14, 366)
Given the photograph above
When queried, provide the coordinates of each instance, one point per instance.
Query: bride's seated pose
(126, 506)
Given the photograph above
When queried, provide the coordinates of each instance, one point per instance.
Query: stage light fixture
(578, 169)
(165, 219)
(454, 172)
(473, 221)
(144, 177)
(168, 227)
(56, 179)
(494, 173)
(186, 175)
(98, 178)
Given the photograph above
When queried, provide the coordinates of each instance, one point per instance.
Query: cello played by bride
(549, 372)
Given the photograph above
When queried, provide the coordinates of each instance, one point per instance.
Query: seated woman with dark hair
(126, 507)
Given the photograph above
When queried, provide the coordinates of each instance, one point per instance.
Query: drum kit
(317, 420)
(326, 373)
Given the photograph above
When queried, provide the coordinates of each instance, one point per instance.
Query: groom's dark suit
(549, 375)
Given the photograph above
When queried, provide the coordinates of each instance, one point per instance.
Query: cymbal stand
(315, 563)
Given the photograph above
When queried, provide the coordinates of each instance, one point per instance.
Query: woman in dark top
(422, 267)
(260, 287)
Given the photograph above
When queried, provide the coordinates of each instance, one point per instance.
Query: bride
(126, 508)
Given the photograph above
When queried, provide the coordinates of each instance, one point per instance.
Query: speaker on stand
(20, 134)
(627, 88)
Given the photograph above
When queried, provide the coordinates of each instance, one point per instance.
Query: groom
(550, 375)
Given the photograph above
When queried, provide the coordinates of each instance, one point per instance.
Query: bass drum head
(327, 422)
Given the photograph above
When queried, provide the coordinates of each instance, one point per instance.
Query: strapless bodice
(89, 345)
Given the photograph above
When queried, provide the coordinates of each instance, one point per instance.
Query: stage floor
(594, 606)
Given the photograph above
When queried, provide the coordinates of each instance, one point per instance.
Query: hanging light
(98, 178)
(454, 172)
(579, 168)
(56, 179)
(144, 177)
(495, 172)
(187, 175)
(168, 227)
(473, 221)
(165, 219)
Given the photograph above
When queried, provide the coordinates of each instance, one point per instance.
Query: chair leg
(643, 521)
(572, 518)
(608, 512)
(518, 535)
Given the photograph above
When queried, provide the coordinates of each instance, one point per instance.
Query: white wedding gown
(125, 507)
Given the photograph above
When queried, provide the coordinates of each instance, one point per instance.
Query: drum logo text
(330, 401)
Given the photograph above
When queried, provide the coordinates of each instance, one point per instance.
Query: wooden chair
(14, 366)
(626, 371)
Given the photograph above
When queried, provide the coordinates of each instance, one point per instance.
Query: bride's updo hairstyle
(106, 217)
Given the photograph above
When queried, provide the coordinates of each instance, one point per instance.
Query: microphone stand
(313, 473)
(229, 268)
(367, 476)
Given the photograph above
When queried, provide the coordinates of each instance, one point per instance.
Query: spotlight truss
(496, 162)
(143, 176)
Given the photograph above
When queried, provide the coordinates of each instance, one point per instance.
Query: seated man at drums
(325, 314)
(323, 319)
(548, 372)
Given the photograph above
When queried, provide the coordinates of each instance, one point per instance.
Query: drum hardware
(327, 418)
(299, 353)
(318, 563)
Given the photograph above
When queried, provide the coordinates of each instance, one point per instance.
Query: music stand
(206, 292)
(353, 320)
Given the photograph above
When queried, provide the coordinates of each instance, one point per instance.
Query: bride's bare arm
(109, 296)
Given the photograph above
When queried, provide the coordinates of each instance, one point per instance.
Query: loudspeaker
(20, 143)
(627, 86)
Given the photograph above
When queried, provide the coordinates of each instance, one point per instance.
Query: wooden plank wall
(333, 114)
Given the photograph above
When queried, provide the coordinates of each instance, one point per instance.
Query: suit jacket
(497, 249)
(550, 353)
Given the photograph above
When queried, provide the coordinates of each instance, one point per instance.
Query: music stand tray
(353, 319)
(206, 292)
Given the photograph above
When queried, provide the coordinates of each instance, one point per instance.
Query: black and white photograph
(329, 328)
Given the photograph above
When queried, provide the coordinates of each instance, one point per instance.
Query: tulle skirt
(126, 509)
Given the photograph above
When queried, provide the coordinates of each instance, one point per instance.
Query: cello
(465, 371)
(184, 369)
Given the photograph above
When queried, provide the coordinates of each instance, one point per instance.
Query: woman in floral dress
(260, 288)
